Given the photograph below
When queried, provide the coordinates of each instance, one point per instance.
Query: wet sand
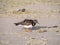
(46, 12)
(14, 35)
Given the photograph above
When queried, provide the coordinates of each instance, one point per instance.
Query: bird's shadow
(38, 27)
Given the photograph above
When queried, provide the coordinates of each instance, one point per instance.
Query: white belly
(25, 26)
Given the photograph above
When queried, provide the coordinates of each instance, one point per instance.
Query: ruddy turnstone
(27, 23)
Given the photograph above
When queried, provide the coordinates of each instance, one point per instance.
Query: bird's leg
(27, 30)
(40, 31)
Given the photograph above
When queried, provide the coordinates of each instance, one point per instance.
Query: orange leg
(40, 31)
(27, 30)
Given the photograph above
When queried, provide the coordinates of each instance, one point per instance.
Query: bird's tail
(16, 24)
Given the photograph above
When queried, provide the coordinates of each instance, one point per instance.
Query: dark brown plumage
(27, 22)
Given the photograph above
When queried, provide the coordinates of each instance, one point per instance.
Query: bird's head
(36, 21)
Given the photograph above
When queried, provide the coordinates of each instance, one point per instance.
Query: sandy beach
(46, 12)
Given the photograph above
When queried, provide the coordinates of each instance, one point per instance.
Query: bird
(27, 24)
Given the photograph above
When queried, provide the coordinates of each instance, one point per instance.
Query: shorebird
(27, 23)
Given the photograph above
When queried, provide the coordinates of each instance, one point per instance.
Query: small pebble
(23, 10)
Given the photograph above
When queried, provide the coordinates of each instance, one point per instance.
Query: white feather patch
(25, 26)
(30, 26)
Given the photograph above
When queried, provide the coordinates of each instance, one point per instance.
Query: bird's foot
(40, 31)
(27, 30)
